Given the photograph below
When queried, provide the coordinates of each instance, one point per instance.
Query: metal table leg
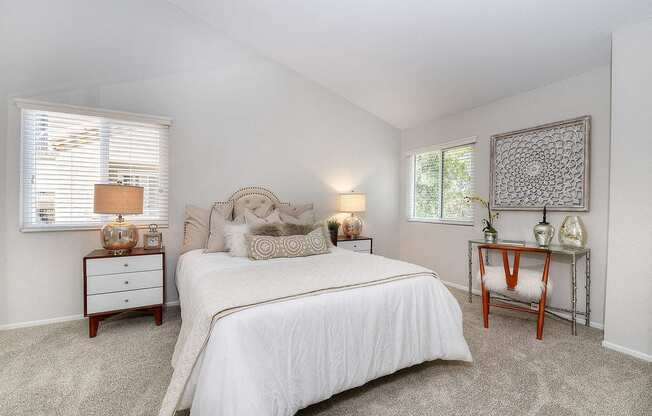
(470, 254)
(587, 286)
(574, 294)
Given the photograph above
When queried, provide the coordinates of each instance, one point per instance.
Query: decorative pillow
(300, 214)
(273, 229)
(252, 219)
(260, 205)
(283, 229)
(263, 247)
(235, 241)
(195, 228)
(220, 213)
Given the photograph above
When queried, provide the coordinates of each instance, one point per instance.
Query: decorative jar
(543, 233)
(572, 232)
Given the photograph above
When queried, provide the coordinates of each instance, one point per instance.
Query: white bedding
(276, 358)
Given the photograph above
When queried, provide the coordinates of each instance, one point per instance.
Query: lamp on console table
(352, 203)
(119, 236)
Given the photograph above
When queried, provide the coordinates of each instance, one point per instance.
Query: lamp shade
(118, 199)
(353, 202)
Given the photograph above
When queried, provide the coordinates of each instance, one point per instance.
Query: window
(66, 150)
(439, 179)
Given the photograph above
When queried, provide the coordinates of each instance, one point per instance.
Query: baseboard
(637, 354)
(578, 319)
(40, 322)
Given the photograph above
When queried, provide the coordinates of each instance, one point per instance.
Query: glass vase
(572, 232)
(491, 236)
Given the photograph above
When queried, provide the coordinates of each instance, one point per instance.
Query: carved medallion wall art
(546, 165)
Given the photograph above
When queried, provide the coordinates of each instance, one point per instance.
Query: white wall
(247, 121)
(3, 275)
(444, 247)
(628, 321)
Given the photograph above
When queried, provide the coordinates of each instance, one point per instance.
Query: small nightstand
(359, 244)
(116, 284)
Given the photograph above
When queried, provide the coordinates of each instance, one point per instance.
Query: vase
(490, 236)
(333, 233)
(572, 232)
(543, 233)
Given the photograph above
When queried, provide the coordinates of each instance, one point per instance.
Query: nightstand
(359, 244)
(116, 284)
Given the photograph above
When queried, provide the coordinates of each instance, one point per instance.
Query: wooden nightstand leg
(93, 324)
(158, 315)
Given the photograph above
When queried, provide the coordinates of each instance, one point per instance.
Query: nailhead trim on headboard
(254, 190)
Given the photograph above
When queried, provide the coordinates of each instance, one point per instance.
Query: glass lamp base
(119, 237)
(352, 226)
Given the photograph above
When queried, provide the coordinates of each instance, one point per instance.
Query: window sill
(444, 222)
(80, 228)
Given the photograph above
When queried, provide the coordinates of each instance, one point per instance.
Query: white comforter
(276, 358)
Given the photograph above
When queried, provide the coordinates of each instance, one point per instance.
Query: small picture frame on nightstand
(153, 239)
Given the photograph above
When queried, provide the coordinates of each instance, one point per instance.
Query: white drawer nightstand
(116, 284)
(358, 244)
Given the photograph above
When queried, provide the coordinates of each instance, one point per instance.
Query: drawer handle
(126, 300)
(126, 282)
(126, 264)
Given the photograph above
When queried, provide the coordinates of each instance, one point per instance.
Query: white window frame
(410, 158)
(78, 110)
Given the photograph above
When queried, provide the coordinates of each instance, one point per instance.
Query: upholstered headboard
(259, 200)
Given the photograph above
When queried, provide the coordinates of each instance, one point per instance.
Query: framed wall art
(546, 165)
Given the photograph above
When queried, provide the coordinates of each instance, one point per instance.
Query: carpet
(57, 370)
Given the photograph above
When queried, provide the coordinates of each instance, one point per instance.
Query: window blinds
(439, 180)
(457, 183)
(427, 184)
(64, 153)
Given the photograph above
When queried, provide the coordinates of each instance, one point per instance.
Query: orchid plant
(491, 216)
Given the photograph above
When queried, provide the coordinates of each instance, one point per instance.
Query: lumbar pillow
(252, 219)
(234, 238)
(297, 214)
(195, 228)
(220, 214)
(262, 247)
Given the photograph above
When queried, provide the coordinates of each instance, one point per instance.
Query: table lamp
(119, 236)
(352, 203)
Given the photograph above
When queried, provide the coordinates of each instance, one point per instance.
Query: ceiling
(408, 61)
(47, 45)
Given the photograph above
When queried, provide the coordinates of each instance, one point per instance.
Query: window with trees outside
(66, 150)
(439, 180)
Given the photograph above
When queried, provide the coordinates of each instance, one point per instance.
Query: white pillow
(252, 219)
(234, 238)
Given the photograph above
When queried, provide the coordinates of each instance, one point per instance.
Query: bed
(270, 337)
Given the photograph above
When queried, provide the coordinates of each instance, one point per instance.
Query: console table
(574, 254)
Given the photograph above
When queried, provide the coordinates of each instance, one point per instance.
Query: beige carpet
(58, 370)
